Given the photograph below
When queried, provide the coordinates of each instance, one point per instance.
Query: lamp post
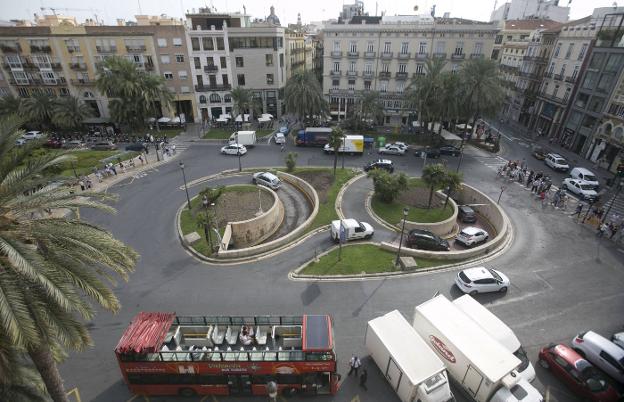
(207, 222)
(405, 212)
(503, 188)
(188, 199)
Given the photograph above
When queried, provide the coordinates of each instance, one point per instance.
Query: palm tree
(52, 269)
(371, 109)
(303, 96)
(244, 101)
(424, 92)
(335, 141)
(452, 183)
(484, 92)
(39, 109)
(10, 104)
(434, 176)
(69, 112)
(19, 381)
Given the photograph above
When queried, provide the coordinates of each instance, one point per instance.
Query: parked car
(137, 146)
(20, 142)
(390, 149)
(430, 152)
(481, 280)
(471, 236)
(602, 352)
(577, 373)
(618, 339)
(385, 164)
(539, 152)
(450, 150)
(267, 179)
(104, 146)
(401, 145)
(585, 175)
(580, 187)
(53, 143)
(280, 139)
(425, 240)
(73, 144)
(234, 149)
(32, 135)
(557, 162)
(466, 214)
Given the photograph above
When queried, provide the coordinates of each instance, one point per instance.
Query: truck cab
(353, 230)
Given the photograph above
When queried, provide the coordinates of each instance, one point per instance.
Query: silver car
(471, 236)
(601, 352)
(481, 280)
(267, 179)
(392, 150)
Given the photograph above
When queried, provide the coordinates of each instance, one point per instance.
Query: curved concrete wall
(441, 229)
(253, 231)
(490, 211)
(305, 188)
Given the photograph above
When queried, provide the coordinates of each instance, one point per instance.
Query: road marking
(74, 391)
(514, 299)
(356, 399)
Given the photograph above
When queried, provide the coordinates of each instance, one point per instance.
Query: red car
(578, 374)
(53, 143)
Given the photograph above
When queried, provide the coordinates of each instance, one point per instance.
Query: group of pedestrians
(354, 366)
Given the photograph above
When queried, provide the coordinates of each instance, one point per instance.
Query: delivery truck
(483, 369)
(413, 370)
(498, 330)
(351, 144)
(313, 137)
(246, 138)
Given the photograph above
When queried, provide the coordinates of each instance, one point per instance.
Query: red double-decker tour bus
(166, 354)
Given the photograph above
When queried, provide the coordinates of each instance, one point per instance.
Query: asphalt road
(564, 279)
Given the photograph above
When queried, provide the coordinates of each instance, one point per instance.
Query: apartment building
(531, 9)
(516, 36)
(383, 53)
(296, 51)
(229, 51)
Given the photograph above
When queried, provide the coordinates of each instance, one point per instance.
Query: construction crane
(55, 9)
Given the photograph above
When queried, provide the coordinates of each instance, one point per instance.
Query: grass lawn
(356, 259)
(219, 133)
(85, 160)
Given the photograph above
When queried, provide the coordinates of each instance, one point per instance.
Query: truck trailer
(313, 137)
(351, 144)
(413, 370)
(246, 138)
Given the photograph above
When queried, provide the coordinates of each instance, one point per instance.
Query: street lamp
(207, 222)
(240, 168)
(405, 212)
(188, 199)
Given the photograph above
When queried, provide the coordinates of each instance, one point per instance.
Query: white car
(471, 236)
(618, 339)
(557, 162)
(280, 139)
(481, 280)
(581, 188)
(267, 179)
(351, 229)
(391, 149)
(32, 135)
(234, 149)
(401, 145)
(522, 391)
(20, 142)
(601, 352)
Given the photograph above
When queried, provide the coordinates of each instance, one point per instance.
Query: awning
(164, 120)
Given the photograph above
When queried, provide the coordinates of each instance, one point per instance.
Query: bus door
(239, 384)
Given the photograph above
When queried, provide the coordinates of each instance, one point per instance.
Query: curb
(338, 202)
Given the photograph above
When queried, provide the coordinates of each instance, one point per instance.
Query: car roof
(604, 344)
(567, 353)
(556, 156)
(466, 208)
(421, 232)
(471, 230)
(388, 161)
(583, 170)
(268, 175)
(474, 274)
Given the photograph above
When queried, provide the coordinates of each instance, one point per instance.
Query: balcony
(439, 55)
(558, 77)
(401, 76)
(404, 56)
(369, 55)
(211, 68)
(384, 74)
(210, 88)
(477, 55)
(353, 55)
(106, 49)
(419, 74)
(82, 82)
(335, 73)
(528, 75)
(78, 66)
(40, 49)
(336, 53)
(73, 49)
(421, 56)
(458, 56)
(367, 74)
(387, 55)
(11, 49)
(134, 49)
(571, 80)
(55, 66)
(553, 98)
(352, 73)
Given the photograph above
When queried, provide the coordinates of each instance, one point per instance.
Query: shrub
(291, 161)
(387, 186)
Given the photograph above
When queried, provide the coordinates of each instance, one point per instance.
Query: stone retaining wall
(255, 230)
(442, 229)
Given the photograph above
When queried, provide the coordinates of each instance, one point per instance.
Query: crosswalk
(493, 162)
(615, 206)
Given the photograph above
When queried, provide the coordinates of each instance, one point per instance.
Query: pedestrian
(524, 163)
(535, 185)
(141, 159)
(272, 391)
(602, 228)
(122, 167)
(82, 185)
(614, 230)
(352, 364)
(282, 148)
(173, 148)
(98, 174)
(89, 183)
(363, 378)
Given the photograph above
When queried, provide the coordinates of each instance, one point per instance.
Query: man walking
(355, 364)
(578, 210)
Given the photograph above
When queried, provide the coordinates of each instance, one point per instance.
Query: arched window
(215, 98)
(88, 94)
(227, 98)
(202, 99)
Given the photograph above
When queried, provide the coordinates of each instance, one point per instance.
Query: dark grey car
(466, 214)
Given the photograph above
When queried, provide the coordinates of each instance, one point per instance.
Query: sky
(317, 10)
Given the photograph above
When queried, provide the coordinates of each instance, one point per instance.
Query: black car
(450, 150)
(466, 214)
(385, 164)
(139, 147)
(430, 152)
(425, 240)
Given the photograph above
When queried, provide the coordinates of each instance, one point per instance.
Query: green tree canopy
(434, 176)
(335, 141)
(387, 186)
(303, 96)
(69, 112)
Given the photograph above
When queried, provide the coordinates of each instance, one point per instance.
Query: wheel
(187, 392)
(544, 364)
(368, 236)
(254, 180)
(473, 293)
(503, 289)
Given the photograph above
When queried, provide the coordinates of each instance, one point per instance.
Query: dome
(272, 18)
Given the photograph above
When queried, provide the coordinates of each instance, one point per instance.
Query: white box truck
(246, 138)
(353, 230)
(484, 370)
(351, 144)
(498, 330)
(410, 366)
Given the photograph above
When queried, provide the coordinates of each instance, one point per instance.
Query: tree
(10, 104)
(291, 161)
(39, 110)
(135, 95)
(243, 102)
(483, 90)
(303, 96)
(19, 381)
(69, 112)
(452, 183)
(424, 92)
(369, 110)
(434, 176)
(52, 269)
(387, 186)
(335, 141)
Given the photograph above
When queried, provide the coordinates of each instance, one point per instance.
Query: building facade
(531, 9)
(384, 56)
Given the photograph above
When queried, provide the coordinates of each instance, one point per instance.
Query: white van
(584, 174)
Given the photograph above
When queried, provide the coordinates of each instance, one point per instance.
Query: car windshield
(495, 275)
(589, 177)
(521, 354)
(595, 382)
(587, 187)
(561, 161)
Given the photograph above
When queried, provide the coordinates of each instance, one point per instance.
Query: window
(135, 45)
(165, 59)
(353, 47)
(168, 75)
(402, 68)
(352, 66)
(422, 49)
(20, 77)
(336, 46)
(105, 45)
(72, 45)
(183, 75)
(268, 60)
(400, 87)
(64, 92)
(387, 47)
(383, 86)
(575, 72)
(335, 84)
(562, 72)
(367, 85)
(557, 50)
(582, 52)
(177, 42)
(555, 91)
(22, 92)
(195, 44)
(223, 62)
(569, 51)
(220, 45)
(566, 95)
(202, 99)
(269, 79)
(241, 79)
(420, 69)
(337, 66)
(209, 61)
(351, 85)
(605, 83)
(404, 47)
(459, 48)
(498, 40)
(614, 63)
(207, 43)
(551, 68)
(227, 98)
(440, 47)
(179, 58)
(370, 47)
(385, 67)
(368, 68)
(591, 79)
(454, 68)
(239, 62)
(162, 42)
(596, 61)
(478, 48)
(224, 78)
(197, 63)
(215, 98)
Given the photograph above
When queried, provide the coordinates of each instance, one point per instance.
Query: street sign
(343, 233)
